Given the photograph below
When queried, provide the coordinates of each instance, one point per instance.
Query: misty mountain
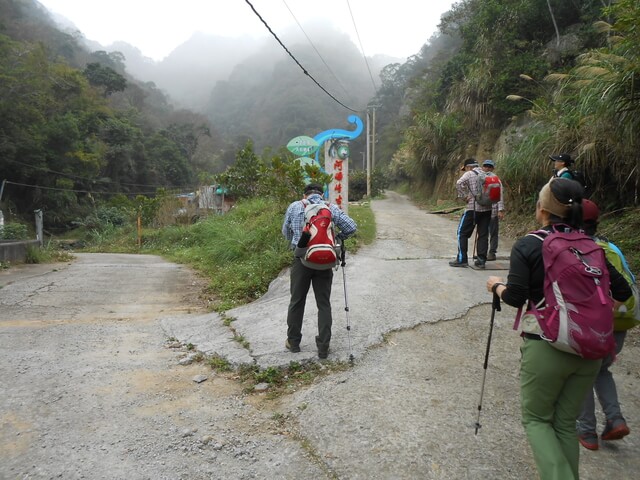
(269, 97)
(189, 73)
(252, 88)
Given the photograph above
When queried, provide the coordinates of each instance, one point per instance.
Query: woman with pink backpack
(555, 374)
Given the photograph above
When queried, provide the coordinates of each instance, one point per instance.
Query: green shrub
(14, 231)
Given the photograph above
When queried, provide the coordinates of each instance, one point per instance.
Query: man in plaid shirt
(303, 277)
(474, 216)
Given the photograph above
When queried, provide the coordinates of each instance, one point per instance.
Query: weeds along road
(92, 388)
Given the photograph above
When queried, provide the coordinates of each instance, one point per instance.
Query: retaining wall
(16, 251)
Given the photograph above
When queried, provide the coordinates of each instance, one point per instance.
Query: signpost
(336, 157)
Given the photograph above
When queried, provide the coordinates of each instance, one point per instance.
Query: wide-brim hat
(469, 162)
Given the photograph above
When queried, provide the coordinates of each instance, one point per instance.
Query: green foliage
(14, 231)
(358, 183)
(281, 177)
(105, 217)
(241, 252)
(105, 77)
(219, 364)
(271, 375)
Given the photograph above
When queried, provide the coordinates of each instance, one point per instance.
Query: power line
(70, 175)
(375, 89)
(78, 191)
(316, 50)
(296, 60)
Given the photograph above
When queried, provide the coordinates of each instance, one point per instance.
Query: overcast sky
(397, 27)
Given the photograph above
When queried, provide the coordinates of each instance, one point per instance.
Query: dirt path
(92, 389)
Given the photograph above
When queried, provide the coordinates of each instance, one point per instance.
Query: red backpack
(576, 314)
(321, 248)
(489, 188)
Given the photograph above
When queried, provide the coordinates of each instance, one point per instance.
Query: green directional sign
(302, 145)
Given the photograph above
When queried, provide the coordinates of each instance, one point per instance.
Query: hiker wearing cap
(553, 383)
(474, 216)
(561, 166)
(303, 277)
(497, 214)
(605, 387)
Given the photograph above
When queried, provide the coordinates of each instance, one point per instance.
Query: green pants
(301, 279)
(553, 385)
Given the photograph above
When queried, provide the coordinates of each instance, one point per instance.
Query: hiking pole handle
(496, 302)
(343, 253)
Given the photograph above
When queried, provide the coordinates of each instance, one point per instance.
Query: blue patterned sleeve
(343, 221)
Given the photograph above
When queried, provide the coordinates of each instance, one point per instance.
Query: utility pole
(368, 159)
(373, 138)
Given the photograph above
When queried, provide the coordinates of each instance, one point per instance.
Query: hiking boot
(455, 263)
(323, 348)
(292, 347)
(491, 257)
(589, 440)
(479, 263)
(615, 429)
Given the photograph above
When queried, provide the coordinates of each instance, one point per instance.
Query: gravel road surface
(97, 383)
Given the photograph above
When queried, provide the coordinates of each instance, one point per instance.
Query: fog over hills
(252, 88)
(190, 72)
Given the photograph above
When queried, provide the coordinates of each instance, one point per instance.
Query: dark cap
(488, 163)
(469, 162)
(590, 211)
(563, 157)
(313, 188)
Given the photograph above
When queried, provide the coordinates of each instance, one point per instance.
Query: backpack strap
(540, 234)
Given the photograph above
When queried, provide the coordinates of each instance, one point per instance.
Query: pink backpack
(576, 314)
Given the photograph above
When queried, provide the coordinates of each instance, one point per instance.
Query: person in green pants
(553, 383)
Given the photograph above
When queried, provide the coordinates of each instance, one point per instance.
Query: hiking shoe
(479, 263)
(491, 257)
(455, 263)
(292, 347)
(322, 354)
(615, 429)
(589, 440)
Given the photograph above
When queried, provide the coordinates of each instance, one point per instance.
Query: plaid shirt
(294, 220)
(467, 188)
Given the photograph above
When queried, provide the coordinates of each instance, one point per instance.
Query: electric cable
(375, 89)
(70, 175)
(316, 50)
(296, 60)
(8, 182)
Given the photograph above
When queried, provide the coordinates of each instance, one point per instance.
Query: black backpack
(578, 176)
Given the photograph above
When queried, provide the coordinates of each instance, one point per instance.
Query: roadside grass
(241, 252)
(283, 380)
(49, 253)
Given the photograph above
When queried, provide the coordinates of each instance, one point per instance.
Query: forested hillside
(517, 80)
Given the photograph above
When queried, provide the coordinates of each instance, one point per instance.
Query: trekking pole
(495, 307)
(475, 242)
(343, 253)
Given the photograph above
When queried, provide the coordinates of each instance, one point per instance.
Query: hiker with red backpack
(480, 190)
(309, 228)
(567, 284)
(497, 215)
(625, 317)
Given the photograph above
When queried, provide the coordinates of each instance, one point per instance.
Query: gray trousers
(302, 278)
(605, 389)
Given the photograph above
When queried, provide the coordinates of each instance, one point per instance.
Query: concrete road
(94, 388)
